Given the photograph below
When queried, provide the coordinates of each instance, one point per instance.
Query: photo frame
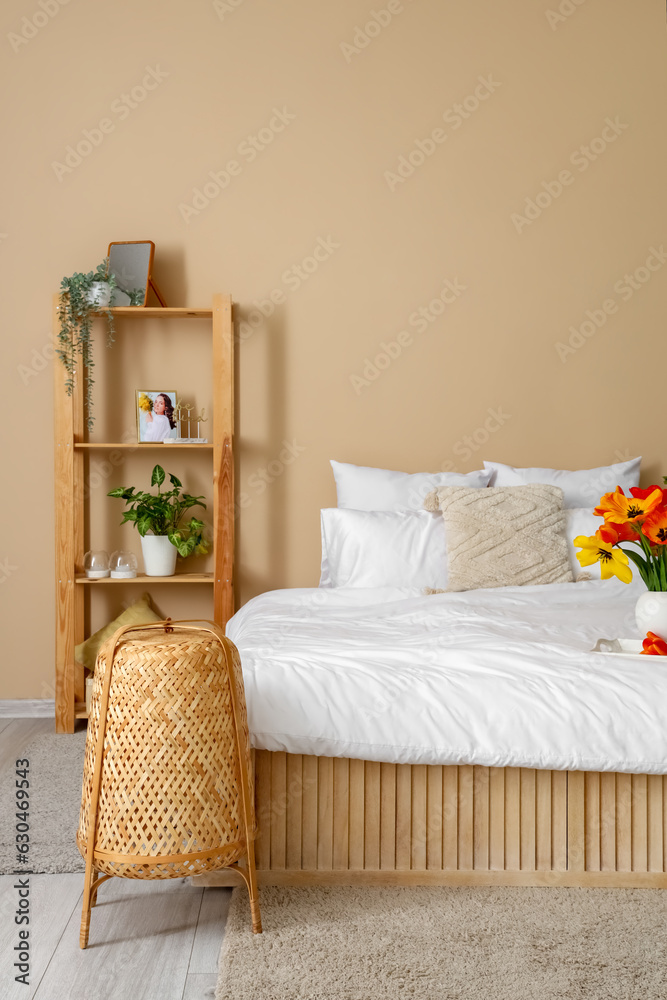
(155, 415)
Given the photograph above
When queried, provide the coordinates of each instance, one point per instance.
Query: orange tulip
(643, 494)
(619, 509)
(655, 527)
(614, 533)
(654, 645)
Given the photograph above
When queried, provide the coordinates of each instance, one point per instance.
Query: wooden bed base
(325, 820)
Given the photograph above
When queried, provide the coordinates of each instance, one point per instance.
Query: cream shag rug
(56, 775)
(439, 943)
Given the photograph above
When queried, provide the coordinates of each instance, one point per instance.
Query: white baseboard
(28, 708)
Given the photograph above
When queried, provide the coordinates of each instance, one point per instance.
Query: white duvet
(498, 677)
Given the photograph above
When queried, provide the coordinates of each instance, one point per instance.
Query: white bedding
(498, 677)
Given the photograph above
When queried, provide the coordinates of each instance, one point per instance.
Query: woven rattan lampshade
(167, 772)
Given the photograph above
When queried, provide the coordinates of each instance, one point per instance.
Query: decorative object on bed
(167, 775)
(618, 647)
(363, 488)
(503, 537)
(580, 488)
(653, 645)
(651, 613)
(639, 520)
(162, 515)
(385, 548)
(81, 296)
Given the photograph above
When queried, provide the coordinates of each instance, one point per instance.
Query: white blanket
(498, 677)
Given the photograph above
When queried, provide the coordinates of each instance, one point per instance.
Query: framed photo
(155, 415)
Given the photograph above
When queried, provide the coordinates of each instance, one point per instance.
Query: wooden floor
(147, 939)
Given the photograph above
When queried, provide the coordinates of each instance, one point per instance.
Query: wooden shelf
(142, 578)
(144, 444)
(73, 588)
(159, 312)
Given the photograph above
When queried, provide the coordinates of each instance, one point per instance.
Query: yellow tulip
(613, 562)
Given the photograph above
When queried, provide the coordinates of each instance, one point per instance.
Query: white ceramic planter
(651, 613)
(159, 555)
(99, 295)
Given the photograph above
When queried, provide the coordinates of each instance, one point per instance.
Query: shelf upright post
(69, 526)
(223, 459)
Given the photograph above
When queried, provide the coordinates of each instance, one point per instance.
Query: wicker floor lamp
(167, 773)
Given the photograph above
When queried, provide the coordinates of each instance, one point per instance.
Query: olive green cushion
(140, 613)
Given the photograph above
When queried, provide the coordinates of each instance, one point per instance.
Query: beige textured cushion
(139, 613)
(503, 536)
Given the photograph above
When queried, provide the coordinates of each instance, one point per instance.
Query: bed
(458, 738)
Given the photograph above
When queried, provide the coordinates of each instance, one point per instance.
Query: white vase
(99, 295)
(651, 613)
(159, 555)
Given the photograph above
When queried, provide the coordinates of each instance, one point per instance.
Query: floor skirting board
(336, 821)
(28, 708)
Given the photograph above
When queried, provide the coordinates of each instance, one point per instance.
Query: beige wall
(552, 82)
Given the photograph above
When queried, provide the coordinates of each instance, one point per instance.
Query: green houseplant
(81, 296)
(158, 517)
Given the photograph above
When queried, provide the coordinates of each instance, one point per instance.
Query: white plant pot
(99, 295)
(651, 613)
(159, 555)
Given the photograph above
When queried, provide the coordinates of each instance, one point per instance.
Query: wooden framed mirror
(131, 261)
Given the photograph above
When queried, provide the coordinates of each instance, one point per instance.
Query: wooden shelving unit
(70, 509)
(136, 447)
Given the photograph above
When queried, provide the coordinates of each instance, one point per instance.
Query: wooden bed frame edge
(338, 821)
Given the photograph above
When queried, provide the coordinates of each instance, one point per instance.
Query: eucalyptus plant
(77, 310)
(162, 513)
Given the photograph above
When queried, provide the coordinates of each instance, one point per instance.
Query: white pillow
(385, 548)
(580, 489)
(361, 488)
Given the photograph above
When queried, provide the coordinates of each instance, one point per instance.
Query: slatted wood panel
(625, 821)
(354, 820)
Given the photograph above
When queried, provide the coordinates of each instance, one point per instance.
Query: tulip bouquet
(638, 521)
(641, 521)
